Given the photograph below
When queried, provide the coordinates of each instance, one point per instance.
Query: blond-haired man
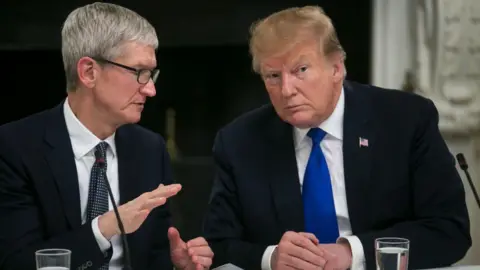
(312, 179)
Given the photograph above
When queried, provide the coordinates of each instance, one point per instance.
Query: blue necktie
(97, 192)
(318, 204)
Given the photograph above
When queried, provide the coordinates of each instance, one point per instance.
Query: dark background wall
(205, 69)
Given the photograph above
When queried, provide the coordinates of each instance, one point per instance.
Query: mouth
(293, 107)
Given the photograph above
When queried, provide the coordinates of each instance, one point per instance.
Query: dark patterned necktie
(97, 203)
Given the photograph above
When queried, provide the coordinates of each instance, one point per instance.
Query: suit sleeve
(160, 252)
(439, 230)
(21, 227)
(223, 227)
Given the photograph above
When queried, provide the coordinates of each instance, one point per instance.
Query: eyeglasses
(143, 75)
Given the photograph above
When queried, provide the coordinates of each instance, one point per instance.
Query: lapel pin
(363, 142)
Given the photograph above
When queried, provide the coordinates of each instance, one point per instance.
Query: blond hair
(284, 29)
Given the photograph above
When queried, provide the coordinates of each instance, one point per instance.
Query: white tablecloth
(463, 267)
(467, 267)
(228, 266)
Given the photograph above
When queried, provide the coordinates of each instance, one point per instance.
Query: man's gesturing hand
(193, 255)
(134, 213)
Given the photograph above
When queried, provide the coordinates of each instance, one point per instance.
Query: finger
(197, 242)
(175, 239)
(297, 263)
(328, 255)
(304, 242)
(329, 266)
(306, 256)
(200, 251)
(288, 267)
(310, 236)
(282, 265)
(152, 203)
(165, 191)
(202, 261)
(331, 260)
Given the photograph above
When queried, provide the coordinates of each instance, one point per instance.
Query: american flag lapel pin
(362, 142)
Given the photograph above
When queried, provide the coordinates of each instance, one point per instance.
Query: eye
(271, 76)
(302, 69)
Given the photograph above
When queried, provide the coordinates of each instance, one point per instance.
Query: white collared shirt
(83, 144)
(331, 147)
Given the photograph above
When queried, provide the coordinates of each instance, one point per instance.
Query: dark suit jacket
(404, 184)
(39, 194)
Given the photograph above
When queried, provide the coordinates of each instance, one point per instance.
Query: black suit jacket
(404, 184)
(39, 194)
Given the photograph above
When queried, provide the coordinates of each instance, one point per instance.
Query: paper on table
(228, 266)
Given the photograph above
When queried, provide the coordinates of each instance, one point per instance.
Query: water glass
(392, 253)
(53, 259)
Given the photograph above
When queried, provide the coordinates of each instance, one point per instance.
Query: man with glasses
(143, 75)
(61, 169)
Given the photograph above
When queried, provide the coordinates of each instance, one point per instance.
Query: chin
(301, 120)
(132, 118)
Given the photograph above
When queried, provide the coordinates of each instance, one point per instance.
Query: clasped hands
(192, 255)
(303, 251)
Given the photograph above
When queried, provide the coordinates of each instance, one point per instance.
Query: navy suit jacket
(404, 184)
(39, 194)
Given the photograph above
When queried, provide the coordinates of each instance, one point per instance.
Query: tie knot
(101, 151)
(316, 134)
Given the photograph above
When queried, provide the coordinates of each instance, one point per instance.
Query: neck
(92, 117)
(330, 109)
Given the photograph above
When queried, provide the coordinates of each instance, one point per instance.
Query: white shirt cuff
(267, 257)
(102, 242)
(358, 256)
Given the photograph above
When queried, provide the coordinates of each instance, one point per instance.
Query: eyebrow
(301, 58)
(143, 66)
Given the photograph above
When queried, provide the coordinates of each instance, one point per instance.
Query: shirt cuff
(267, 257)
(358, 256)
(102, 242)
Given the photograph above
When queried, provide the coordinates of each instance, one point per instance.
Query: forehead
(137, 54)
(298, 54)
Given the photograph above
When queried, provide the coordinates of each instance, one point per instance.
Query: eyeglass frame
(153, 72)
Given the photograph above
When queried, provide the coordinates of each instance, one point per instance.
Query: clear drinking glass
(53, 259)
(392, 253)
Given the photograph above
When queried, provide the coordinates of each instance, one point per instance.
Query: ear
(87, 70)
(338, 67)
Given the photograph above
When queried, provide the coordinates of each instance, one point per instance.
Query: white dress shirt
(331, 147)
(83, 145)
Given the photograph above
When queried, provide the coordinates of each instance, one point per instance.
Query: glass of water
(392, 253)
(53, 259)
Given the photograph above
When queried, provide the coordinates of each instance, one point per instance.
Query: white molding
(391, 50)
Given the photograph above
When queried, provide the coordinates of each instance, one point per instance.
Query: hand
(338, 256)
(193, 255)
(134, 213)
(298, 251)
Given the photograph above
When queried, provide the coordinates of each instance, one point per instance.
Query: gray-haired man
(54, 165)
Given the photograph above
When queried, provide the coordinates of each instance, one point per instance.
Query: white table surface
(459, 267)
(463, 267)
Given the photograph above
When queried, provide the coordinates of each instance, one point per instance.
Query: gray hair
(100, 30)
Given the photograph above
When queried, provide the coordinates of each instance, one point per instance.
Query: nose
(149, 89)
(288, 88)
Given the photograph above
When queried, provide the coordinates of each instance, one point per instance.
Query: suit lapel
(283, 174)
(60, 158)
(128, 170)
(357, 156)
